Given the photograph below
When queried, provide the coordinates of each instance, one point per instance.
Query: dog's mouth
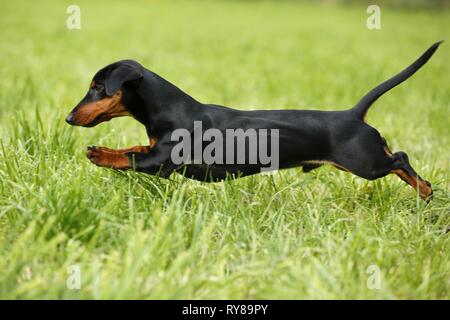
(92, 113)
(102, 117)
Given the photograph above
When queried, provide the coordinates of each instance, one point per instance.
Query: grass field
(285, 235)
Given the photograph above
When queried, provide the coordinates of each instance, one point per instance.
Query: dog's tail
(364, 104)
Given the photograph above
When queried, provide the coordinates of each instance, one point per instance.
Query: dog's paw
(101, 148)
(95, 155)
(104, 157)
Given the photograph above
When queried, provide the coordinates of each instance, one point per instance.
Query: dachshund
(306, 138)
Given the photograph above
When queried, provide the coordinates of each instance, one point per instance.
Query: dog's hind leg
(402, 168)
(369, 157)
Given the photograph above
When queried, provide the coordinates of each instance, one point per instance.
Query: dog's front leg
(142, 149)
(116, 159)
(154, 159)
(156, 162)
(109, 158)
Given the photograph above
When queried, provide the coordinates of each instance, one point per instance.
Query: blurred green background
(287, 235)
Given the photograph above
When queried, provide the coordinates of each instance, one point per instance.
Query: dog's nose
(69, 119)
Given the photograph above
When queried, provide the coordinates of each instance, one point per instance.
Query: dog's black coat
(307, 138)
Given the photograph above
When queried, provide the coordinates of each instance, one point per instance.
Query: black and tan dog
(307, 138)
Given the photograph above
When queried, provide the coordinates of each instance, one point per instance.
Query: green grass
(285, 235)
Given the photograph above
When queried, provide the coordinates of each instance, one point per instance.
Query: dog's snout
(69, 119)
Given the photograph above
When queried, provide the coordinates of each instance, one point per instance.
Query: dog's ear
(119, 76)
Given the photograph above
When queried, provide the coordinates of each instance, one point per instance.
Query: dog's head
(107, 94)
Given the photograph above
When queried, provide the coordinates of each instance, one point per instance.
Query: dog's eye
(99, 88)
